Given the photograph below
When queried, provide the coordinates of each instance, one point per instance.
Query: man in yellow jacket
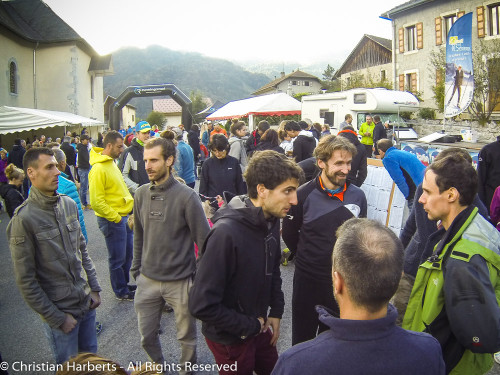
(366, 133)
(112, 202)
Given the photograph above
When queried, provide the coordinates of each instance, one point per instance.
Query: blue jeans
(119, 241)
(82, 338)
(83, 174)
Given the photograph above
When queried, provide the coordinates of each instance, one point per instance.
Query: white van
(331, 108)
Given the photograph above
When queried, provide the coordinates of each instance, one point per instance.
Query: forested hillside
(216, 79)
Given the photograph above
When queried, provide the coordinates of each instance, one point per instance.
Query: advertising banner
(459, 78)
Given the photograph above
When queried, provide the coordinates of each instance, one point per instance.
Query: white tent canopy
(14, 119)
(265, 105)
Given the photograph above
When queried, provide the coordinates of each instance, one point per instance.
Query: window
(13, 77)
(133, 118)
(322, 113)
(411, 81)
(306, 83)
(294, 83)
(382, 75)
(408, 82)
(493, 15)
(448, 23)
(411, 38)
(91, 87)
(360, 98)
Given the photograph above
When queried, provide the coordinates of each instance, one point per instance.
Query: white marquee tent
(14, 119)
(265, 105)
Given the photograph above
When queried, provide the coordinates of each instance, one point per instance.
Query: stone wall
(485, 134)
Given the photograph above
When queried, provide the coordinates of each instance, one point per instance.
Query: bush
(406, 115)
(427, 113)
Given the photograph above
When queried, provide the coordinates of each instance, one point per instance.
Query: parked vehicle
(331, 108)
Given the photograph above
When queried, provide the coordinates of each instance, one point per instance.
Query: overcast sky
(266, 30)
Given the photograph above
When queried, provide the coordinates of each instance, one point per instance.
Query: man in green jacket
(50, 256)
(456, 294)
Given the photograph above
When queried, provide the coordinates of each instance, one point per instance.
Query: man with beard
(237, 292)
(168, 216)
(324, 204)
(112, 202)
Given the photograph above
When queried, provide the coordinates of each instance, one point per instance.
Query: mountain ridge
(216, 79)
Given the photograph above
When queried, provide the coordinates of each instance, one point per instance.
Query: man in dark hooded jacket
(359, 169)
(237, 290)
(303, 140)
(16, 154)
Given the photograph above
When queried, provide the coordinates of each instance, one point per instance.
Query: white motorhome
(331, 108)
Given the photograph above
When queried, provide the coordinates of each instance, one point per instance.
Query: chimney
(282, 74)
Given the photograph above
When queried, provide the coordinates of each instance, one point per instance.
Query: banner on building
(459, 78)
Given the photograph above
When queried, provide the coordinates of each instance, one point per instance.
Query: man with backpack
(456, 292)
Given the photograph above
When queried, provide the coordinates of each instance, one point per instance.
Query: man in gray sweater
(168, 217)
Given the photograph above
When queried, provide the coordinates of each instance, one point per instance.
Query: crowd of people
(297, 183)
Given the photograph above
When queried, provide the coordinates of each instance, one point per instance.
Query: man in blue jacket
(68, 187)
(184, 163)
(367, 263)
(403, 167)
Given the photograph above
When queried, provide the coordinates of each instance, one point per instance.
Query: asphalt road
(23, 342)
(22, 338)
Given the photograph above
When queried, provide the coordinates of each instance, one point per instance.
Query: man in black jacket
(70, 153)
(16, 154)
(379, 133)
(83, 169)
(254, 138)
(488, 170)
(132, 161)
(324, 204)
(237, 291)
(16, 157)
(303, 140)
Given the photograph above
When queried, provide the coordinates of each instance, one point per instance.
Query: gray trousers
(150, 298)
(402, 296)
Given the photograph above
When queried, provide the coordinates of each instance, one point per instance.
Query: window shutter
(401, 82)
(439, 31)
(480, 22)
(420, 35)
(460, 14)
(414, 82)
(401, 33)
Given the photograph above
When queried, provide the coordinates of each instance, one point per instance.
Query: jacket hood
(5, 188)
(241, 210)
(234, 138)
(97, 157)
(136, 144)
(350, 135)
(307, 133)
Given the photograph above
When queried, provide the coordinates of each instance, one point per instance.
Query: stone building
(421, 27)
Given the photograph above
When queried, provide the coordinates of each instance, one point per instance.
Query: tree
(328, 83)
(328, 73)
(299, 95)
(198, 104)
(437, 71)
(486, 60)
(156, 118)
